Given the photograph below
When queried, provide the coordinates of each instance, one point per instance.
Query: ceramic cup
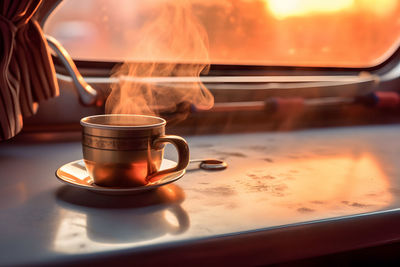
(121, 150)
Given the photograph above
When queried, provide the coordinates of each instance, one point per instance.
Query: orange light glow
(326, 186)
(282, 9)
(286, 8)
(342, 180)
(379, 7)
(319, 33)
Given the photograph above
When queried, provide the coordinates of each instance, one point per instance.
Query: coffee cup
(122, 150)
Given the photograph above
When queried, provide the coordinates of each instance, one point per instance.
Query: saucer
(75, 174)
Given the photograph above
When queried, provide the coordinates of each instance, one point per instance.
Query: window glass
(340, 33)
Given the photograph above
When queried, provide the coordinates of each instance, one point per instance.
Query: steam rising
(144, 88)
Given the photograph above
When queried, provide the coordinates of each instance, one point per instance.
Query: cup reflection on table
(121, 150)
(107, 219)
(136, 226)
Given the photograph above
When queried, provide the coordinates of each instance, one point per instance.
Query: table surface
(327, 182)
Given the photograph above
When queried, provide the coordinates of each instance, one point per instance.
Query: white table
(284, 196)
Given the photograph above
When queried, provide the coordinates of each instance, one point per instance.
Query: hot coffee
(127, 150)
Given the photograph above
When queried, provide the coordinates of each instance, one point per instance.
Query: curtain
(27, 74)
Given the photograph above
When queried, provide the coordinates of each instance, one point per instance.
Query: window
(341, 33)
(314, 58)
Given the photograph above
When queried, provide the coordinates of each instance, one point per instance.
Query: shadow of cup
(125, 219)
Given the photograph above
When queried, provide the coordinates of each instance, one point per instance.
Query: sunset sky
(343, 33)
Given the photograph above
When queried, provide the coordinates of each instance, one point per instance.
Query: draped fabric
(27, 74)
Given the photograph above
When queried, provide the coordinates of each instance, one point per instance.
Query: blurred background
(341, 33)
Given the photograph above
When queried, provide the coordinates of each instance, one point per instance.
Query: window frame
(387, 71)
(382, 77)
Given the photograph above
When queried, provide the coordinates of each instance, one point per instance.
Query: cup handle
(183, 153)
(182, 218)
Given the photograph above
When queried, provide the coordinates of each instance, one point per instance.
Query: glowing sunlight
(286, 8)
